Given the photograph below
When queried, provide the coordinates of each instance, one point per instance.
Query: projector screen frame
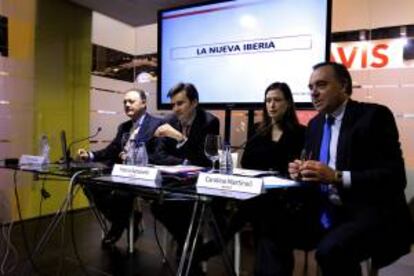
(229, 106)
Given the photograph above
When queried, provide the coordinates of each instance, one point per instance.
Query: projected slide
(233, 50)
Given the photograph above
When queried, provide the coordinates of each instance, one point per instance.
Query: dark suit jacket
(193, 150)
(369, 148)
(110, 154)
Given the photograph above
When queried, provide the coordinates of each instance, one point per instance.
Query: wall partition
(375, 40)
(16, 97)
(44, 88)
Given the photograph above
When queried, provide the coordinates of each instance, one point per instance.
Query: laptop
(70, 164)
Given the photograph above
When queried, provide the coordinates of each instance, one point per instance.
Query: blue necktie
(326, 219)
(326, 140)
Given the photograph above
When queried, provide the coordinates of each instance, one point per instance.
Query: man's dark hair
(341, 73)
(189, 89)
(140, 92)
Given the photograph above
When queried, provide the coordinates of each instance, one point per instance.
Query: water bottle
(140, 155)
(226, 162)
(45, 148)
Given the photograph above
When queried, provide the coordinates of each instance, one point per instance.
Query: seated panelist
(353, 173)
(140, 128)
(276, 140)
(183, 137)
(114, 204)
(185, 129)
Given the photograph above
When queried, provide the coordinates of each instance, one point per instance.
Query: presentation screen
(232, 50)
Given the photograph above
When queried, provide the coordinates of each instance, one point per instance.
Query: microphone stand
(227, 124)
(250, 122)
(83, 139)
(252, 137)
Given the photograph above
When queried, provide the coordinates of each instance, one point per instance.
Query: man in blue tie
(352, 167)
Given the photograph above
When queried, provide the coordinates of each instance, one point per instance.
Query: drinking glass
(212, 146)
(140, 155)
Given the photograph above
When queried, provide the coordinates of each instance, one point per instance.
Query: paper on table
(225, 193)
(278, 182)
(251, 173)
(179, 168)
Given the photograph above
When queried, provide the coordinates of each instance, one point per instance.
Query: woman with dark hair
(278, 138)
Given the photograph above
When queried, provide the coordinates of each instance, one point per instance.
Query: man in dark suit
(183, 143)
(117, 205)
(186, 129)
(354, 207)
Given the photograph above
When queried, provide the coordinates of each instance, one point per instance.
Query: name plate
(146, 173)
(230, 183)
(32, 160)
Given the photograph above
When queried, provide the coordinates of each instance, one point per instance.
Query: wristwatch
(338, 177)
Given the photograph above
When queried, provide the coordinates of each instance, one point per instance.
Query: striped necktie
(133, 134)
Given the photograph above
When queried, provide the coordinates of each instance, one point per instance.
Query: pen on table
(304, 156)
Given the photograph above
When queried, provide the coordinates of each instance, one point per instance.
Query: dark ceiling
(133, 12)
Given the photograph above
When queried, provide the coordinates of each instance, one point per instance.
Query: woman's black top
(261, 153)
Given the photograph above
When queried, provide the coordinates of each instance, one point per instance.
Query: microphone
(84, 139)
(254, 136)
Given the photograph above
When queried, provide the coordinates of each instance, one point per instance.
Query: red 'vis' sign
(369, 54)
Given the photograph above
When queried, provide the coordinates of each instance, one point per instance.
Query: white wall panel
(6, 124)
(106, 95)
(112, 33)
(17, 67)
(399, 100)
(406, 129)
(407, 77)
(146, 39)
(21, 131)
(16, 116)
(368, 14)
(106, 101)
(350, 15)
(110, 84)
(109, 124)
(151, 89)
(19, 91)
(383, 77)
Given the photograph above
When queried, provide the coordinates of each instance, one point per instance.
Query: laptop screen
(65, 152)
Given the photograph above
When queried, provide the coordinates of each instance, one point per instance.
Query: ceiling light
(4, 102)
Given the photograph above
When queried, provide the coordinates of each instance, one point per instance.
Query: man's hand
(316, 171)
(82, 155)
(122, 156)
(166, 130)
(294, 169)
